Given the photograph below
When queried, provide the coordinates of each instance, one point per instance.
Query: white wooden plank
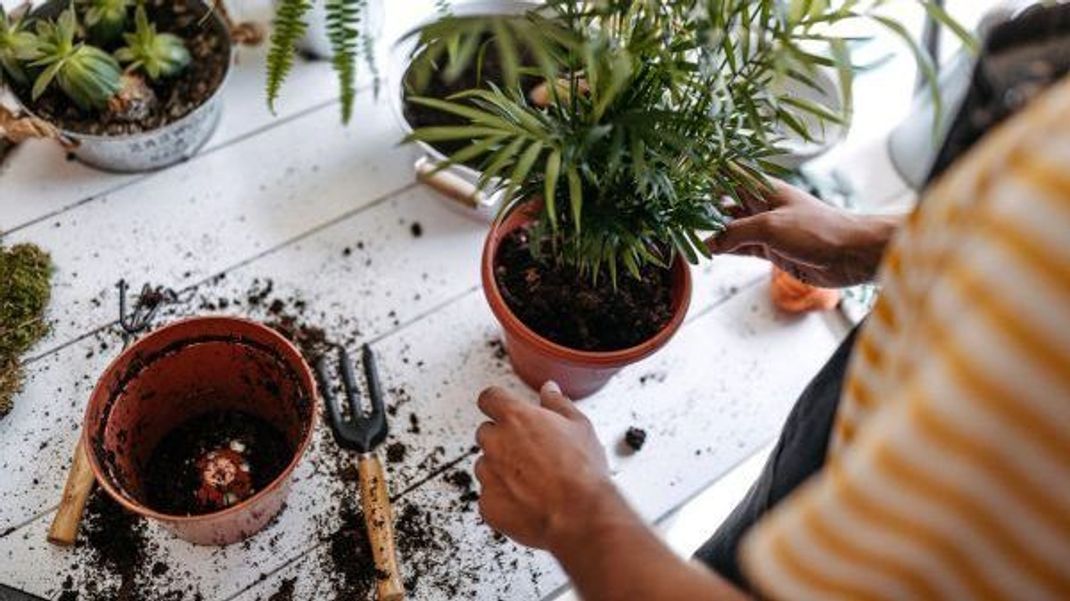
(443, 359)
(194, 220)
(38, 182)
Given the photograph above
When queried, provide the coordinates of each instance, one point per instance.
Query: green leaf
(553, 171)
(941, 16)
(45, 79)
(523, 167)
(441, 133)
(575, 197)
(924, 63)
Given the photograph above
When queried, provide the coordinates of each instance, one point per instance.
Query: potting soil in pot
(175, 97)
(564, 306)
(213, 461)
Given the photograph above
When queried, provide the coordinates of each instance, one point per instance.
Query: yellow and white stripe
(948, 476)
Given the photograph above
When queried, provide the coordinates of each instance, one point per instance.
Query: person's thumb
(553, 399)
(739, 233)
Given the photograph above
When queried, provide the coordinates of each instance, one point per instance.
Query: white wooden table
(325, 212)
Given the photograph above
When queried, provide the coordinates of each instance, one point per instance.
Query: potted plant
(656, 114)
(339, 30)
(131, 85)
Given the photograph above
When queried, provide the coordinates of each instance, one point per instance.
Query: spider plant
(347, 44)
(157, 54)
(86, 74)
(16, 46)
(105, 20)
(662, 111)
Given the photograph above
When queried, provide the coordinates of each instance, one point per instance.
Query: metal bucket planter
(157, 148)
(456, 182)
(187, 369)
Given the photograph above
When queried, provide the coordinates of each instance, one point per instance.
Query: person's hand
(542, 468)
(814, 242)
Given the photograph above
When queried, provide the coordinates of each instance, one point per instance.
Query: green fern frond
(367, 51)
(343, 21)
(289, 26)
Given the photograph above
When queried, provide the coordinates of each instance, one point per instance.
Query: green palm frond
(289, 26)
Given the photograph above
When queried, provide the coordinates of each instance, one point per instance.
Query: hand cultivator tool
(362, 432)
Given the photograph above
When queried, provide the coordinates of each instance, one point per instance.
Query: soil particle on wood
(416, 229)
(285, 592)
(562, 305)
(395, 452)
(178, 96)
(181, 479)
(635, 438)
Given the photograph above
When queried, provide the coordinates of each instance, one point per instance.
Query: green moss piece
(25, 289)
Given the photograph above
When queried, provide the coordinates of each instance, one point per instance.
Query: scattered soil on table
(416, 229)
(561, 304)
(395, 452)
(342, 566)
(117, 544)
(475, 76)
(178, 96)
(285, 592)
(25, 289)
(635, 438)
(116, 560)
(185, 473)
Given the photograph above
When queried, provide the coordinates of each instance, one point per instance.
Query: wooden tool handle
(379, 521)
(75, 493)
(450, 185)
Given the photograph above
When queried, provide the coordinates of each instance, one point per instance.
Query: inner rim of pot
(113, 482)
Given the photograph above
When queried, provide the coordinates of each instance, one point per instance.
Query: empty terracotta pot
(189, 369)
(536, 359)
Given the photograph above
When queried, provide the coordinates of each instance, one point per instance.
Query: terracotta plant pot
(185, 370)
(536, 359)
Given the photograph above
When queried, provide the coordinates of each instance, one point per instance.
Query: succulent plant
(86, 74)
(157, 54)
(16, 45)
(105, 20)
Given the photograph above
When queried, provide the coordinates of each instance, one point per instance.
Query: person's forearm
(609, 553)
(870, 240)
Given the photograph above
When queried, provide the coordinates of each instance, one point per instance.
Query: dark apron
(1020, 59)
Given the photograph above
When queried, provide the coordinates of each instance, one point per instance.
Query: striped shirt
(948, 474)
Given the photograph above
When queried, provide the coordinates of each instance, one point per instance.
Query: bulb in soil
(225, 478)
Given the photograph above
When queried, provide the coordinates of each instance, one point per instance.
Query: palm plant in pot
(657, 113)
(133, 85)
